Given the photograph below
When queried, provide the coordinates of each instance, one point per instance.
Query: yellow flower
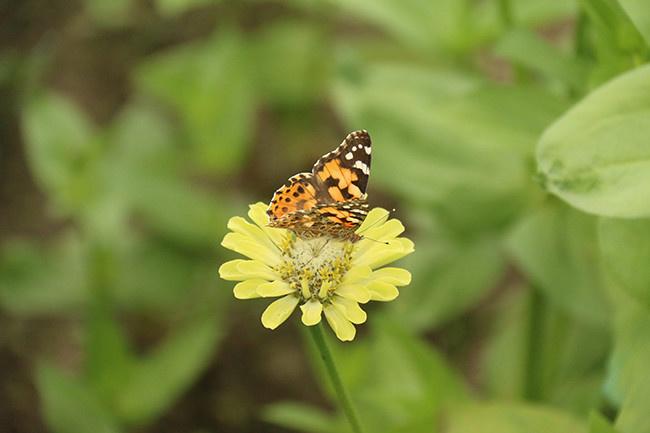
(320, 275)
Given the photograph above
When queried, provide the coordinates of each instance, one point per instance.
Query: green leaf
(158, 379)
(293, 65)
(598, 424)
(628, 382)
(109, 362)
(62, 149)
(177, 7)
(557, 249)
(639, 13)
(511, 418)
(209, 86)
(596, 157)
(625, 247)
(442, 288)
(615, 26)
(526, 48)
(300, 417)
(190, 217)
(38, 280)
(70, 407)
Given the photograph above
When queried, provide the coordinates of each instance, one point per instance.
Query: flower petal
(350, 309)
(274, 288)
(394, 276)
(311, 312)
(356, 292)
(279, 311)
(229, 271)
(381, 291)
(257, 214)
(244, 245)
(356, 274)
(247, 289)
(240, 225)
(389, 230)
(382, 254)
(255, 269)
(375, 217)
(342, 327)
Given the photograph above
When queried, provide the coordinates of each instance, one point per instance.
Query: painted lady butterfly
(331, 200)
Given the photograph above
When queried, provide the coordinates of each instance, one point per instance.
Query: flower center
(315, 267)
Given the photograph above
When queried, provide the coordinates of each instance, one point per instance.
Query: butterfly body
(331, 200)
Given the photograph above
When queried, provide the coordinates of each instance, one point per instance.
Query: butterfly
(331, 200)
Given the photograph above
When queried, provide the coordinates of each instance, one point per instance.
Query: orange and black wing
(298, 194)
(342, 175)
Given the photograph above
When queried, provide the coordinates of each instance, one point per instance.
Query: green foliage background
(511, 136)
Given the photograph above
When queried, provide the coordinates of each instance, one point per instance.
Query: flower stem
(326, 355)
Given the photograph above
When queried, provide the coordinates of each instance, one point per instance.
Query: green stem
(326, 355)
(533, 374)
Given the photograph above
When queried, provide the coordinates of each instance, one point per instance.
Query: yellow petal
(311, 312)
(255, 269)
(389, 230)
(356, 274)
(257, 214)
(229, 271)
(279, 311)
(382, 254)
(240, 225)
(244, 245)
(381, 291)
(375, 217)
(394, 276)
(342, 327)
(274, 288)
(356, 292)
(350, 309)
(247, 289)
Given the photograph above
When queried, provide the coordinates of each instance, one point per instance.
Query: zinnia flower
(321, 275)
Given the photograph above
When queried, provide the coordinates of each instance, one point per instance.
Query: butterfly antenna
(371, 226)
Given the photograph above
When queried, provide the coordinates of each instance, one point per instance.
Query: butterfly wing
(342, 175)
(298, 194)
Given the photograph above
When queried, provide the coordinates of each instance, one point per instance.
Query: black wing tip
(360, 134)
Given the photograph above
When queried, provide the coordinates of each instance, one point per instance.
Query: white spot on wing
(349, 156)
(367, 149)
(362, 166)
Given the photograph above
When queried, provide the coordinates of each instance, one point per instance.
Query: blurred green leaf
(628, 363)
(179, 212)
(614, 40)
(511, 418)
(625, 246)
(292, 65)
(527, 49)
(596, 156)
(159, 378)
(639, 14)
(442, 288)
(62, 149)
(209, 85)
(70, 407)
(39, 280)
(108, 361)
(628, 382)
(176, 7)
(557, 249)
(301, 417)
(598, 424)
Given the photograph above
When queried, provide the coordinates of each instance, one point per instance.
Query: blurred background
(131, 130)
